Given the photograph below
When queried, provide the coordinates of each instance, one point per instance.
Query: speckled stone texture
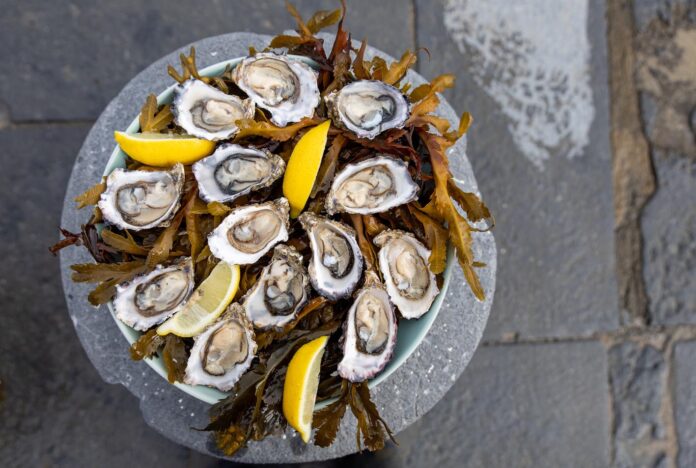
(427, 375)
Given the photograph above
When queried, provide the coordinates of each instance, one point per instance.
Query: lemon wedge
(206, 303)
(303, 166)
(301, 383)
(162, 150)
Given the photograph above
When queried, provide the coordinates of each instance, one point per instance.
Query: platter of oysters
(281, 221)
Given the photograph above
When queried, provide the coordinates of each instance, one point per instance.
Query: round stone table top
(403, 398)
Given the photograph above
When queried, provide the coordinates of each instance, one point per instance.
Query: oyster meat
(369, 333)
(233, 170)
(336, 264)
(208, 113)
(139, 200)
(403, 260)
(280, 292)
(374, 185)
(285, 87)
(368, 108)
(150, 299)
(248, 232)
(222, 353)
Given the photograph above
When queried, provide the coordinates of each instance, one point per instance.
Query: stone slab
(555, 216)
(428, 374)
(57, 411)
(685, 401)
(90, 49)
(669, 249)
(519, 405)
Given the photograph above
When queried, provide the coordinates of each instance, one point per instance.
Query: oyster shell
(233, 170)
(280, 292)
(368, 107)
(403, 260)
(248, 232)
(336, 264)
(139, 200)
(208, 113)
(222, 353)
(369, 334)
(286, 88)
(374, 185)
(152, 298)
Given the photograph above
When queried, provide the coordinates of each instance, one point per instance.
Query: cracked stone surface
(429, 373)
(685, 399)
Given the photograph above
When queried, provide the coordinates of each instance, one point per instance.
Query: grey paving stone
(57, 411)
(637, 378)
(522, 405)
(70, 58)
(555, 226)
(685, 400)
(669, 231)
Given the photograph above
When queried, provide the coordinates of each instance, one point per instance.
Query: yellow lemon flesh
(300, 389)
(303, 166)
(206, 304)
(157, 149)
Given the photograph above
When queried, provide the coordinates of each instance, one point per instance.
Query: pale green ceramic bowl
(410, 332)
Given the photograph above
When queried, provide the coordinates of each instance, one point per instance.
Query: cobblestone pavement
(584, 146)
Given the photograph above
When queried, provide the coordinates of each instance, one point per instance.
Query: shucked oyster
(222, 353)
(336, 264)
(152, 298)
(403, 261)
(139, 200)
(286, 88)
(207, 112)
(280, 292)
(374, 185)
(232, 171)
(369, 334)
(367, 107)
(248, 232)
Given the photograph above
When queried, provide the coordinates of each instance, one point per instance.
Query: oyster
(336, 264)
(232, 171)
(403, 261)
(248, 232)
(280, 292)
(150, 299)
(142, 199)
(208, 113)
(369, 333)
(374, 185)
(286, 88)
(368, 107)
(222, 353)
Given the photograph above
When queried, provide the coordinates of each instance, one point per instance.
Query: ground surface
(584, 147)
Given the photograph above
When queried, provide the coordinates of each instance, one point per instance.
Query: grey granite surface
(427, 375)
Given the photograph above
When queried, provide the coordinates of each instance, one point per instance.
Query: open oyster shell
(403, 261)
(139, 200)
(208, 113)
(150, 299)
(285, 87)
(336, 264)
(248, 232)
(374, 185)
(368, 107)
(280, 292)
(369, 333)
(222, 353)
(233, 170)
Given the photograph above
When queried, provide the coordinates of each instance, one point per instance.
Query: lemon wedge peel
(163, 150)
(300, 387)
(206, 303)
(303, 166)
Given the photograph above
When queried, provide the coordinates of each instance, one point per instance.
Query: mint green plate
(410, 332)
